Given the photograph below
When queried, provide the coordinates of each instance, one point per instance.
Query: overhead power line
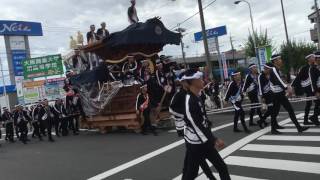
(205, 7)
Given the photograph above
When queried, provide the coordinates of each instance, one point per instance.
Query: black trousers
(73, 123)
(147, 122)
(57, 122)
(280, 99)
(197, 153)
(9, 131)
(23, 129)
(307, 108)
(46, 125)
(203, 164)
(43, 126)
(253, 97)
(317, 109)
(36, 129)
(269, 101)
(238, 113)
(215, 98)
(64, 126)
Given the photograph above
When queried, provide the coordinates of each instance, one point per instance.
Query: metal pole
(205, 40)
(219, 60)
(183, 54)
(3, 83)
(318, 22)
(253, 35)
(285, 22)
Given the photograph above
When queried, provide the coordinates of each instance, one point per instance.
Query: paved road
(125, 155)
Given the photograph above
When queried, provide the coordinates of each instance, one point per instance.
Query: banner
(264, 55)
(42, 66)
(224, 65)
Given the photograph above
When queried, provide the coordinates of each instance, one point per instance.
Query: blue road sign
(214, 32)
(20, 28)
(17, 57)
(9, 89)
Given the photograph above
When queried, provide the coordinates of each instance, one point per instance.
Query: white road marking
(242, 142)
(282, 149)
(203, 177)
(289, 138)
(148, 156)
(277, 164)
(292, 125)
(310, 130)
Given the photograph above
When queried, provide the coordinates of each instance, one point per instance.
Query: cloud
(61, 18)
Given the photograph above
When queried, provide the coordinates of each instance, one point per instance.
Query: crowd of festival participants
(41, 119)
(186, 92)
(192, 123)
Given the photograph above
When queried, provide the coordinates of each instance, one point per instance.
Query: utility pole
(205, 40)
(285, 22)
(318, 22)
(3, 84)
(232, 47)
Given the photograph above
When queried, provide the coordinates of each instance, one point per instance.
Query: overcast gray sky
(62, 18)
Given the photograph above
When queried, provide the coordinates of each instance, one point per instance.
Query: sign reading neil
(20, 28)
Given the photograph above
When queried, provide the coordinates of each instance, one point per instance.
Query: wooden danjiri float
(112, 104)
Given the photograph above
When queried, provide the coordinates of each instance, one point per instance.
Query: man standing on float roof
(279, 89)
(132, 13)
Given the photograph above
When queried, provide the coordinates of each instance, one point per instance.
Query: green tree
(293, 54)
(261, 40)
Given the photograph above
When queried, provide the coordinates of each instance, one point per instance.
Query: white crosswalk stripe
(282, 149)
(311, 130)
(292, 125)
(267, 145)
(203, 177)
(277, 164)
(289, 138)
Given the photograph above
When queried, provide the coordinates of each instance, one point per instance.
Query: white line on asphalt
(277, 164)
(203, 177)
(292, 125)
(282, 149)
(242, 142)
(310, 130)
(148, 156)
(289, 138)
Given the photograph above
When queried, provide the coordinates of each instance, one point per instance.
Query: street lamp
(254, 37)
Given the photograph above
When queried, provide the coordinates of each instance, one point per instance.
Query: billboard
(42, 66)
(37, 90)
(265, 54)
(214, 32)
(17, 58)
(20, 28)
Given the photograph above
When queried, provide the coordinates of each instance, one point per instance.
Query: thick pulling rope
(260, 105)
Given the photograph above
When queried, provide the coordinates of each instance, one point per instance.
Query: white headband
(197, 75)
(310, 55)
(267, 66)
(275, 58)
(233, 74)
